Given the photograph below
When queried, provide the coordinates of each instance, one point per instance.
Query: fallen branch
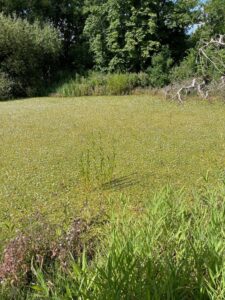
(198, 87)
(208, 52)
(218, 43)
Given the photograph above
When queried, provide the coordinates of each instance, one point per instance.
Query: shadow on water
(121, 182)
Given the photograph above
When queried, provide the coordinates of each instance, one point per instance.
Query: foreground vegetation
(172, 248)
(82, 176)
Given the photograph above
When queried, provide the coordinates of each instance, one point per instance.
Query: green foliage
(160, 67)
(97, 166)
(214, 17)
(103, 84)
(121, 84)
(211, 19)
(27, 54)
(186, 69)
(120, 36)
(206, 60)
(66, 16)
(212, 61)
(174, 249)
(6, 87)
(123, 35)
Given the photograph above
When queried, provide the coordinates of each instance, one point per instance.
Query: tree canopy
(65, 15)
(124, 34)
(28, 54)
(119, 35)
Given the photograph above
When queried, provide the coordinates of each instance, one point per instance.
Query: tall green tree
(66, 15)
(28, 55)
(124, 34)
(211, 20)
(214, 17)
(212, 24)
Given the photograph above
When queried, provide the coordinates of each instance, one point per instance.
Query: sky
(195, 27)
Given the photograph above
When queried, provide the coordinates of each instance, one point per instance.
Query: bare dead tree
(196, 85)
(208, 53)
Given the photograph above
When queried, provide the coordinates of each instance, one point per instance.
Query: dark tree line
(119, 35)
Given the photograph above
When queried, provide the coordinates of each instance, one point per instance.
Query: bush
(28, 53)
(159, 70)
(187, 69)
(103, 84)
(195, 65)
(121, 84)
(43, 244)
(6, 87)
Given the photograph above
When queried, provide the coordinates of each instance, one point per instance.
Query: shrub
(6, 87)
(143, 80)
(159, 70)
(187, 69)
(121, 84)
(103, 84)
(195, 65)
(43, 244)
(27, 54)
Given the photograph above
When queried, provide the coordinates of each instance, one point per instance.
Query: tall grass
(173, 248)
(103, 84)
(97, 166)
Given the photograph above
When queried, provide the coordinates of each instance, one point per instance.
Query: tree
(160, 67)
(66, 16)
(211, 20)
(214, 17)
(28, 54)
(124, 34)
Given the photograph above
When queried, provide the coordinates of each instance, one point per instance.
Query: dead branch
(217, 42)
(196, 86)
(202, 86)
